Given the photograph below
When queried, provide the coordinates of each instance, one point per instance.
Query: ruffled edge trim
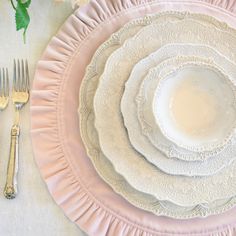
(87, 212)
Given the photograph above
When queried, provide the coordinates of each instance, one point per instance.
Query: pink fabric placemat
(69, 174)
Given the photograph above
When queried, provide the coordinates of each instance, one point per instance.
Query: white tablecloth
(33, 212)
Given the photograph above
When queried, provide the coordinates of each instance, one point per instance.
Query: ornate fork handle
(10, 190)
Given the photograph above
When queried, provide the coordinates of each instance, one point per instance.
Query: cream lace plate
(101, 163)
(147, 121)
(195, 107)
(113, 138)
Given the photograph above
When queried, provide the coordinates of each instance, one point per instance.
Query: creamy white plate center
(195, 106)
(194, 110)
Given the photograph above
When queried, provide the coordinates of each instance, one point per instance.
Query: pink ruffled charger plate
(68, 172)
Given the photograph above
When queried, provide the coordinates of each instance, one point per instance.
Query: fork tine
(14, 76)
(4, 83)
(27, 82)
(7, 83)
(22, 81)
(18, 78)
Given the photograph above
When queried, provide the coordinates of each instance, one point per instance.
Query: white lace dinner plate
(147, 120)
(90, 139)
(113, 138)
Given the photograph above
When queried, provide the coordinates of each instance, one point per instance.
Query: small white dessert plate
(195, 106)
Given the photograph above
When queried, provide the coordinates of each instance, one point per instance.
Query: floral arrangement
(22, 16)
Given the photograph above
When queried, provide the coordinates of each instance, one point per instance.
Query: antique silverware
(20, 96)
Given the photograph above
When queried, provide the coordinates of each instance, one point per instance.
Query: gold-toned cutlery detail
(4, 88)
(20, 96)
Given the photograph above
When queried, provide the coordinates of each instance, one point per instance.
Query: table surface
(33, 212)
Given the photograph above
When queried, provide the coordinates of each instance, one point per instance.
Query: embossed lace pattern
(103, 166)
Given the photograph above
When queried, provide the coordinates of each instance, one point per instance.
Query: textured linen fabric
(33, 212)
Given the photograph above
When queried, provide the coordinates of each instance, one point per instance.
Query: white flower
(74, 3)
(78, 2)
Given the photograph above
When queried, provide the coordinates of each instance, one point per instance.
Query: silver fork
(20, 96)
(4, 89)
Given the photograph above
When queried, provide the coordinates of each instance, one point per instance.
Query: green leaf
(22, 16)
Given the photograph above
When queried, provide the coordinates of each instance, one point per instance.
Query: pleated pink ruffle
(59, 152)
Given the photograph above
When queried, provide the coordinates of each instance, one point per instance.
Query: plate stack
(158, 114)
